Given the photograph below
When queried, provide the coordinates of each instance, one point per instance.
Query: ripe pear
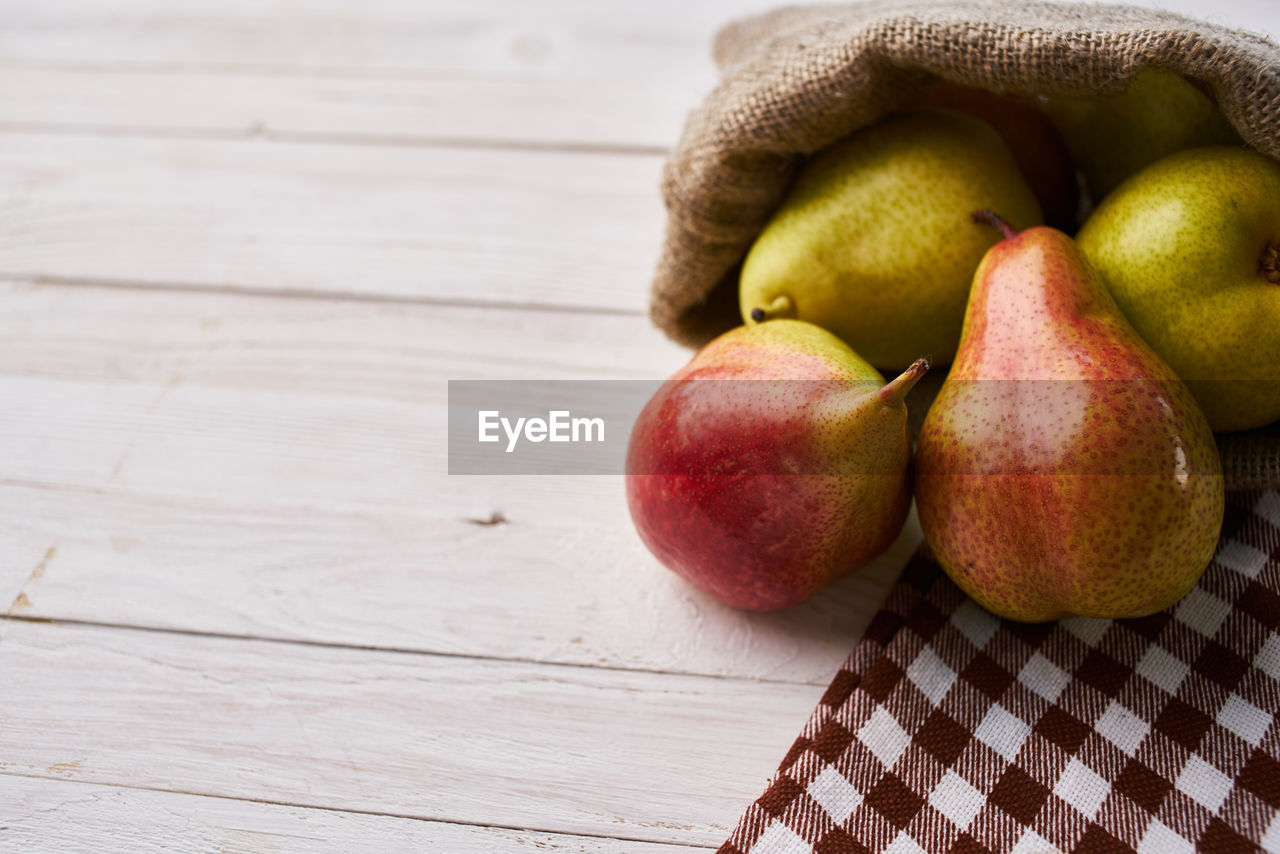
(1064, 469)
(868, 246)
(1190, 249)
(771, 464)
(1114, 137)
(1036, 146)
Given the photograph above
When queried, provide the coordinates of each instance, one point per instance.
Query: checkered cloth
(949, 730)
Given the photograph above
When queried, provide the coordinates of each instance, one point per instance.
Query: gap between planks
(20, 279)
(657, 757)
(505, 72)
(413, 823)
(510, 227)
(263, 132)
(400, 582)
(293, 486)
(392, 650)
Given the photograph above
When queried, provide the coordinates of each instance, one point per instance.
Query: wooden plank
(557, 39)
(327, 347)
(554, 73)
(579, 595)
(652, 757)
(646, 116)
(288, 402)
(274, 467)
(479, 226)
(560, 72)
(60, 815)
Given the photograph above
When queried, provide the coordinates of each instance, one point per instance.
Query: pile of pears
(1067, 466)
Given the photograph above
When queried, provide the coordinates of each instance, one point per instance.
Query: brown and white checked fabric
(949, 730)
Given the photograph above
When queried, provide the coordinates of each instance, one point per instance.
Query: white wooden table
(243, 245)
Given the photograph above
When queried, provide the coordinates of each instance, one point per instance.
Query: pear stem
(1269, 265)
(893, 392)
(993, 219)
(780, 306)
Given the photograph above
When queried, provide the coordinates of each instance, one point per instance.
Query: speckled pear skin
(1064, 469)
(867, 244)
(1036, 146)
(1114, 137)
(1190, 249)
(787, 474)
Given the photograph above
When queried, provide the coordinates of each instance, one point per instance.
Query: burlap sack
(797, 79)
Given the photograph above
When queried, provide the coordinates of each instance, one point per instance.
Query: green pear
(1190, 249)
(1064, 469)
(1114, 137)
(771, 464)
(868, 244)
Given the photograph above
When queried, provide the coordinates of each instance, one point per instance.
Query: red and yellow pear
(1064, 469)
(771, 464)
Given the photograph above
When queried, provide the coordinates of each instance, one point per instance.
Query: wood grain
(528, 228)
(564, 39)
(653, 757)
(644, 117)
(557, 39)
(589, 596)
(195, 468)
(289, 402)
(558, 73)
(61, 815)
(329, 347)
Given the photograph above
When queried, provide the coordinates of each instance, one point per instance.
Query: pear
(1190, 249)
(866, 244)
(1114, 137)
(771, 464)
(1064, 469)
(1036, 146)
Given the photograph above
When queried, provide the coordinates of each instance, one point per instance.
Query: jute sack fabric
(797, 79)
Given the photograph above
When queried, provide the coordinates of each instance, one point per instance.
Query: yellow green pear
(874, 243)
(1190, 249)
(1114, 137)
